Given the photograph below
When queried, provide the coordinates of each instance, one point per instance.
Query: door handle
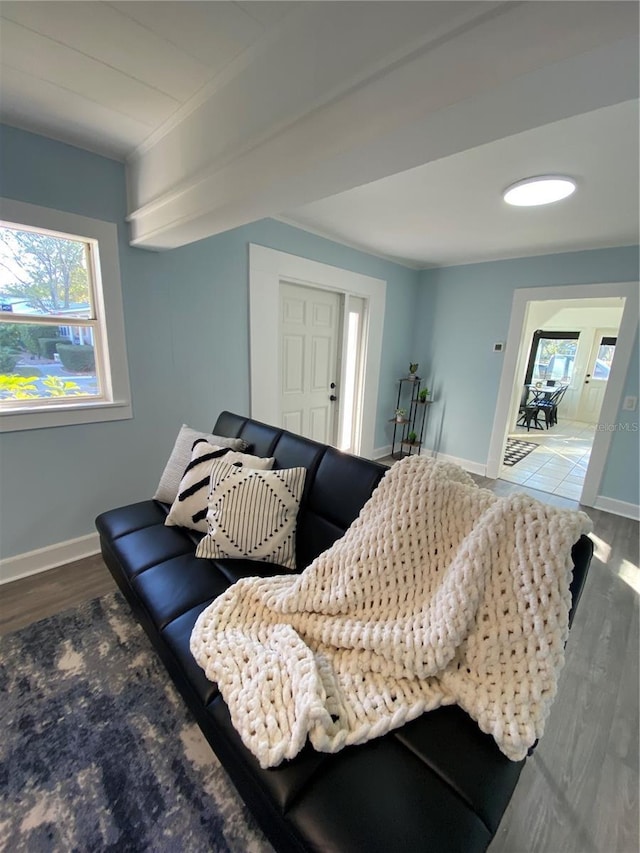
(333, 398)
(333, 385)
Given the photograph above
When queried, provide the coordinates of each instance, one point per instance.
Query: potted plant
(423, 395)
(401, 414)
(412, 437)
(413, 369)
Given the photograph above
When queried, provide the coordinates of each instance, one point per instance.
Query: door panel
(293, 364)
(310, 331)
(318, 423)
(292, 421)
(321, 364)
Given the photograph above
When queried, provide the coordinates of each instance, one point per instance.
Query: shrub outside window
(62, 353)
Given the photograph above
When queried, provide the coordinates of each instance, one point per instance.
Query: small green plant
(412, 437)
(57, 387)
(413, 368)
(401, 414)
(422, 396)
(15, 387)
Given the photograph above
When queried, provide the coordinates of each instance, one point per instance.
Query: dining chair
(550, 406)
(528, 411)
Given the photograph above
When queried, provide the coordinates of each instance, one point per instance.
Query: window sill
(65, 414)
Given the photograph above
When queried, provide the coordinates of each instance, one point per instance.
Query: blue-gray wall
(467, 309)
(186, 318)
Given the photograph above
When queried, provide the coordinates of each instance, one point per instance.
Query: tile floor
(560, 461)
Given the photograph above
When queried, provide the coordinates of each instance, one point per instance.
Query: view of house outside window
(49, 332)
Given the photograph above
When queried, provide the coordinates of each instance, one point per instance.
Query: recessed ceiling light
(542, 189)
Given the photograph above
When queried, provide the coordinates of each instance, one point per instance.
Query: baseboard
(617, 507)
(478, 468)
(381, 452)
(43, 559)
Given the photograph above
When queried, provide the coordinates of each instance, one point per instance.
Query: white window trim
(109, 303)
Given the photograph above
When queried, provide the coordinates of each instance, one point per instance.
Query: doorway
(561, 364)
(532, 309)
(362, 303)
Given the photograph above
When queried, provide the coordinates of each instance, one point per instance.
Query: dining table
(540, 392)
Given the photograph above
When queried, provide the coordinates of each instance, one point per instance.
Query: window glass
(555, 359)
(44, 362)
(44, 274)
(604, 357)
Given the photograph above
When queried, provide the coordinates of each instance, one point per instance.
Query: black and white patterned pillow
(180, 456)
(253, 514)
(189, 508)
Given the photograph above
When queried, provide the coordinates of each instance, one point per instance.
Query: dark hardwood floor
(578, 793)
(38, 596)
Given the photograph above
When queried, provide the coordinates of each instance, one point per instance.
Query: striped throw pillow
(253, 514)
(189, 509)
(180, 456)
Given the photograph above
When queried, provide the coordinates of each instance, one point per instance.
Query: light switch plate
(629, 404)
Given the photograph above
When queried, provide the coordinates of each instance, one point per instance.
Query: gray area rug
(99, 753)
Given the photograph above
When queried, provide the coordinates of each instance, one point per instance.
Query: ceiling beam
(338, 99)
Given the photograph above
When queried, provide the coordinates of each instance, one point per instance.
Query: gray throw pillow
(181, 456)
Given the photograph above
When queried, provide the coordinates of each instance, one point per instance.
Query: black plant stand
(408, 398)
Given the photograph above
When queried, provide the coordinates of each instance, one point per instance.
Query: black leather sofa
(436, 784)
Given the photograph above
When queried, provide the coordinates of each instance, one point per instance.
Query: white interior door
(595, 381)
(310, 336)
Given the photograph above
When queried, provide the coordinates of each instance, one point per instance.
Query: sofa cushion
(452, 745)
(176, 636)
(380, 787)
(252, 514)
(342, 486)
(174, 586)
(149, 546)
(125, 519)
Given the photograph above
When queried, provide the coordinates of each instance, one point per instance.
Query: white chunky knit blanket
(440, 592)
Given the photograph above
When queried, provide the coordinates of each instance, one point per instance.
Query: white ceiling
(104, 76)
(389, 126)
(451, 211)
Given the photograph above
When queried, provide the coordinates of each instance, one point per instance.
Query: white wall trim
(467, 464)
(627, 510)
(43, 559)
(615, 386)
(267, 268)
(381, 452)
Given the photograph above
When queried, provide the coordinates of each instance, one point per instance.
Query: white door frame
(615, 386)
(267, 268)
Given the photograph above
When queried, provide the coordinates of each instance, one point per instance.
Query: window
(604, 358)
(62, 348)
(552, 357)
